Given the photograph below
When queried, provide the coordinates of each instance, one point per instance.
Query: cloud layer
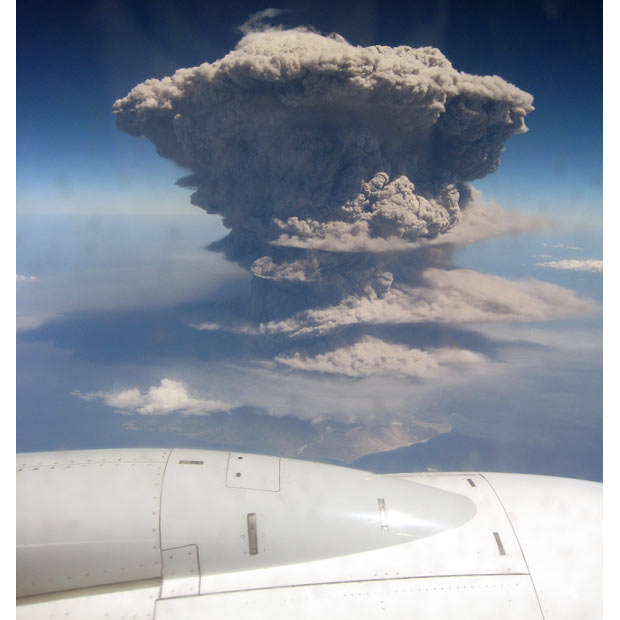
(591, 264)
(372, 356)
(446, 296)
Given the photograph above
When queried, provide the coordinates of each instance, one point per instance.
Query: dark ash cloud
(343, 175)
(300, 135)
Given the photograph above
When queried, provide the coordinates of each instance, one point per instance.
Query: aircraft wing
(187, 534)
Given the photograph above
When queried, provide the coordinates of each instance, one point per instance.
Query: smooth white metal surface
(320, 511)
(88, 518)
(133, 600)
(559, 525)
(468, 549)
(158, 534)
(436, 598)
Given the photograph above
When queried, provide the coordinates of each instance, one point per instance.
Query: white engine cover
(186, 534)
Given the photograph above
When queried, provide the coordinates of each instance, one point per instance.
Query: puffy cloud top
(292, 124)
(302, 69)
(169, 396)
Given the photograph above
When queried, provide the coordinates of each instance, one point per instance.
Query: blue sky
(114, 273)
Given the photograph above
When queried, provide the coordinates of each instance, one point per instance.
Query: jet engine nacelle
(188, 534)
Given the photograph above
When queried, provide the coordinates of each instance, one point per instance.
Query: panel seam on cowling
(518, 543)
(357, 581)
(161, 552)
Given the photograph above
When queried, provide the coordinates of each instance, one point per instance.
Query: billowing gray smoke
(323, 157)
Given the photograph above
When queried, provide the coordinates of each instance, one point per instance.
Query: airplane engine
(163, 534)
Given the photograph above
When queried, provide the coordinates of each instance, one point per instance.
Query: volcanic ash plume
(323, 158)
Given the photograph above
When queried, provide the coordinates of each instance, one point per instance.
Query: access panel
(252, 471)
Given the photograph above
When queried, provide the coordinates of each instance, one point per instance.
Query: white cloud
(215, 326)
(371, 356)
(590, 265)
(169, 397)
(562, 246)
(23, 278)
